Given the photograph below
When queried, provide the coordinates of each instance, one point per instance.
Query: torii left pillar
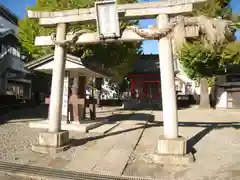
(55, 140)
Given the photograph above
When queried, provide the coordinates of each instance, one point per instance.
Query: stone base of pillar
(173, 151)
(52, 142)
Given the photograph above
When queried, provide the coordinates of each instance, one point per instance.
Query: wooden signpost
(65, 95)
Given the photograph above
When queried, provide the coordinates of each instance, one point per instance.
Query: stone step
(82, 127)
(103, 129)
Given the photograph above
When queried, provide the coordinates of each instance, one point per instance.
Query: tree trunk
(98, 98)
(204, 95)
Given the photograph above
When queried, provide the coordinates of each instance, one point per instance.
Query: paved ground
(89, 152)
(214, 134)
(15, 136)
(4, 176)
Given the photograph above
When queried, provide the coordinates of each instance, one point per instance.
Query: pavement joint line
(108, 150)
(131, 150)
(102, 157)
(140, 137)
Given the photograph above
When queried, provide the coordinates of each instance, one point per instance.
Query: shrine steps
(100, 126)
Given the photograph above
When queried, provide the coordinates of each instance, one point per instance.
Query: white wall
(221, 98)
(221, 93)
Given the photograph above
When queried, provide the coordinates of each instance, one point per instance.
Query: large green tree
(202, 59)
(198, 60)
(200, 64)
(117, 58)
(231, 54)
(215, 8)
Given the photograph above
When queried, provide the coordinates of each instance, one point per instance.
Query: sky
(18, 7)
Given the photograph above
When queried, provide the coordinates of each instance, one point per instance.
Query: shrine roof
(147, 64)
(73, 63)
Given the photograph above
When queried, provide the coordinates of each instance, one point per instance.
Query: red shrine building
(145, 83)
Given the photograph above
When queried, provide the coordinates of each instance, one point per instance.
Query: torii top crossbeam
(128, 11)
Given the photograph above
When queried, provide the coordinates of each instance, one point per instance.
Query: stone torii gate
(170, 147)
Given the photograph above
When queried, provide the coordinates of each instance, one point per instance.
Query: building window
(15, 89)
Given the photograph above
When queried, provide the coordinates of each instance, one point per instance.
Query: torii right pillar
(171, 149)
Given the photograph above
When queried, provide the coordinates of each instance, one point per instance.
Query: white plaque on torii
(108, 26)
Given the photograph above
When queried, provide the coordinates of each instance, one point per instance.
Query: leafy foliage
(28, 30)
(116, 58)
(198, 60)
(218, 9)
(203, 60)
(215, 8)
(231, 54)
(124, 85)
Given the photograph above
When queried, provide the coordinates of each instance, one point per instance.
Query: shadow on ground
(25, 115)
(119, 117)
(113, 118)
(39, 113)
(208, 127)
(180, 106)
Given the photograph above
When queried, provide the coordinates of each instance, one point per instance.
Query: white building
(12, 71)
